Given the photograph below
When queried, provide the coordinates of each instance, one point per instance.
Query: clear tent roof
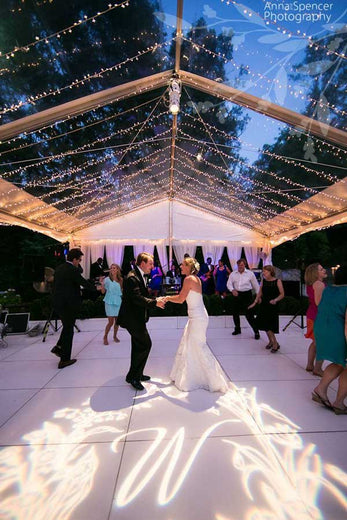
(87, 134)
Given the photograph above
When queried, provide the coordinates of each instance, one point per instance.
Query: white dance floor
(81, 444)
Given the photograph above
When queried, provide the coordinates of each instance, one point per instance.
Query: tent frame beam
(311, 126)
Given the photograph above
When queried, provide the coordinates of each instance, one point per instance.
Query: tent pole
(170, 233)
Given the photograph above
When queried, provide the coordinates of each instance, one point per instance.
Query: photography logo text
(298, 12)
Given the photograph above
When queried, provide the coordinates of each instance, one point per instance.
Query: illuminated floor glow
(80, 444)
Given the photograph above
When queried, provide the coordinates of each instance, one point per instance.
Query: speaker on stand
(45, 286)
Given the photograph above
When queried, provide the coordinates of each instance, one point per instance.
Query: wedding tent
(167, 198)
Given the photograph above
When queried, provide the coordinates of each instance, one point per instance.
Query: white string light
(269, 81)
(69, 29)
(81, 81)
(298, 34)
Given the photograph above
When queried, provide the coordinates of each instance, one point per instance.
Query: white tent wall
(86, 259)
(190, 227)
(151, 223)
(252, 256)
(212, 251)
(114, 253)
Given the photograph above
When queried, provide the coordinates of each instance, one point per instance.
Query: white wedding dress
(195, 366)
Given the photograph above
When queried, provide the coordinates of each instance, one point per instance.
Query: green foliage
(229, 304)
(328, 247)
(15, 244)
(171, 309)
(9, 297)
(40, 308)
(214, 305)
(92, 309)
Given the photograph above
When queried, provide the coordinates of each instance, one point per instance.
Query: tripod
(298, 313)
(53, 317)
(48, 324)
(301, 324)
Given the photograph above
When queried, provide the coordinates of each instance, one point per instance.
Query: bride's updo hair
(192, 264)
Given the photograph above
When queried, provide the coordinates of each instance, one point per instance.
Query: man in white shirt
(240, 284)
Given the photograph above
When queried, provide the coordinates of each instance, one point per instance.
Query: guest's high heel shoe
(274, 349)
(105, 340)
(268, 346)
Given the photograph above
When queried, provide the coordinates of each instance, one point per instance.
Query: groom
(133, 315)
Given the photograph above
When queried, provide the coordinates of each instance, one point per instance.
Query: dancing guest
(67, 301)
(206, 276)
(97, 269)
(221, 274)
(173, 272)
(270, 293)
(314, 276)
(156, 280)
(112, 286)
(240, 284)
(330, 331)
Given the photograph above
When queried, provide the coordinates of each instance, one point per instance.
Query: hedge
(216, 306)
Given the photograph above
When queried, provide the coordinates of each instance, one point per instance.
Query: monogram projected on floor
(55, 472)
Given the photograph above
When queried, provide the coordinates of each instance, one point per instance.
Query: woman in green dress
(330, 331)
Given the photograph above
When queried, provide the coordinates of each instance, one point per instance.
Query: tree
(299, 160)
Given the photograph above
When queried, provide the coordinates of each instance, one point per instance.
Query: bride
(195, 366)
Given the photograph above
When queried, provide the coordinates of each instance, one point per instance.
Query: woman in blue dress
(112, 286)
(156, 280)
(330, 331)
(221, 275)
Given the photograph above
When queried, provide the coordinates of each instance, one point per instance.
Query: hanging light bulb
(174, 96)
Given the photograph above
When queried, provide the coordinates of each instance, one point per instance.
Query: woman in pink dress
(314, 276)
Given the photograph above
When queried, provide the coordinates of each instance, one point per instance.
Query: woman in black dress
(270, 293)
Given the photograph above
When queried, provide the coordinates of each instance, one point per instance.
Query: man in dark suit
(133, 316)
(67, 302)
(97, 269)
(206, 276)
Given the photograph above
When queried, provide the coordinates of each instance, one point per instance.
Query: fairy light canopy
(84, 150)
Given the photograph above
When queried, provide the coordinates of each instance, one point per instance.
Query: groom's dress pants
(141, 344)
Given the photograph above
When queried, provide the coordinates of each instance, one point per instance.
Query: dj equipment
(17, 322)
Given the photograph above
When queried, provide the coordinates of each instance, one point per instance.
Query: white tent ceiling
(166, 212)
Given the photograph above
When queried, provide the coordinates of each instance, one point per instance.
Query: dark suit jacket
(67, 289)
(133, 313)
(96, 270)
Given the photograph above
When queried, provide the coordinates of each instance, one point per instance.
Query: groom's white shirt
(143, 275)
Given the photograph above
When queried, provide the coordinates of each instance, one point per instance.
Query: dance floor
(81, 444)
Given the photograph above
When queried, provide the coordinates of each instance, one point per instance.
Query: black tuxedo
(67, 302)
(96, 270)
(133, 316)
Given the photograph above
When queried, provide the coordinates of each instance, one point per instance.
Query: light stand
(54, 327)
(48, 324)
(298, 313)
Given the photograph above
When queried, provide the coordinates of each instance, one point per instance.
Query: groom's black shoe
(145, 378)
(236, 332)
(56, 350)
(135, 384)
